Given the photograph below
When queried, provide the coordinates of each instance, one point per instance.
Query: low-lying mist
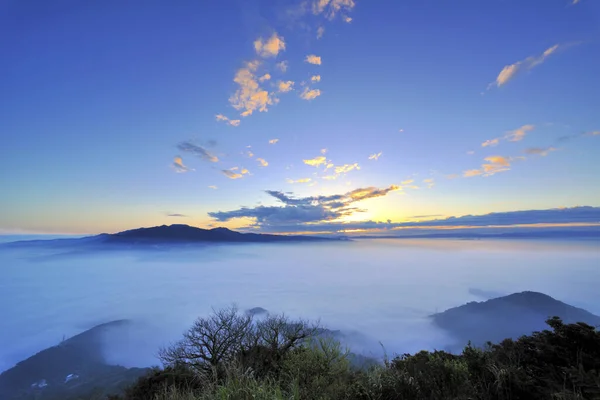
(373, 290)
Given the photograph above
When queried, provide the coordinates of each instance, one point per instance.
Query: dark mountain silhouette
(509, 316)
(75, 365)
(168, 235)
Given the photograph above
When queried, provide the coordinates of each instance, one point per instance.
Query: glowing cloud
(489, 143)
(232, 122)
(375, 156)
(270, 47)
(320, 32)
(342, 169)
(178, 165)
(472, 172)
(250, 96)
(285, 87)
(301, 180)
(510, 71)
(407, 182)
(262, 162)
(312, 59)
(310, 94)
(519, 133)
(265, 77)
(430, 182)
(273, 141)
(315, 162)
(315, 78)
(231, 174)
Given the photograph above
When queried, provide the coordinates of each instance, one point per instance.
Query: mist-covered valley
(374, 291)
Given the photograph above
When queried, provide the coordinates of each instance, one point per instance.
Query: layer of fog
(374, 290)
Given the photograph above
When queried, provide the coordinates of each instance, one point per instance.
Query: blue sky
(101, 98)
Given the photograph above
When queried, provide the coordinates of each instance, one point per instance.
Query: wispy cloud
(347, 19)
(273, 141)
(178, 165)
(315, 162)
(407, 182)
(250, 96)
(312, 59)
(430, 182)
(331, 8)
(320, 32)
(213, 187)
(232, 122)
(269, 47)
(375, 156)
(471, 173)
(198, 151)
(540, 151)
(491, 166)
(265, 77)
(282, 66)
(323, 151)
(301, 180)
(262, 162)
(177, 215)
(310, 94)
(315, 78)
(284, 87)
(231, 174)
(510, 71)
(343, 169)
(515, 135)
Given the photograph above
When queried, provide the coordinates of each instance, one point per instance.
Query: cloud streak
(510, 71)
(179, 167)
(232, 122)
(198, 151)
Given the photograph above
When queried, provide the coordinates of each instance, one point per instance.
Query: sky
(293, 115)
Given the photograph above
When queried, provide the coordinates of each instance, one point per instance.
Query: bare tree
(280, 335)
(210, 341)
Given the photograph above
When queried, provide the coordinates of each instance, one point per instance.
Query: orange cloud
(270, 47)
(308, 94)
(315, 162)
(285, 87)
(262, 162)
(312, 59)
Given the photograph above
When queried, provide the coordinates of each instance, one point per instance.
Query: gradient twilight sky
(117, 114)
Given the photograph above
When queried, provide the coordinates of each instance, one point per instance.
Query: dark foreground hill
(507, 317)
(76, 365)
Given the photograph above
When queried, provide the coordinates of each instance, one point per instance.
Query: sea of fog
(375, 290)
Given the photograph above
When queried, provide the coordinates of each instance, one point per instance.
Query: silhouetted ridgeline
(275, 360)
(170, 235)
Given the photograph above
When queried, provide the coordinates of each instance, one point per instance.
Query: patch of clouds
(540, 151)
(304, 210)
(516, 135)
(232, 122)
(332, 8)
(269, 47)
(198, 151)
(250, 96)
(490, 143)
(313, 59)
(430, 182)
(262, 162)
(375, 156)
(310, 94)
(510, 71)
(231, 173)
(343, 169)
(315, 78)
(213, 187)
(273, 141)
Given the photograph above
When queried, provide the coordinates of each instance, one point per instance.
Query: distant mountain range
(172, 234)
(507, 317)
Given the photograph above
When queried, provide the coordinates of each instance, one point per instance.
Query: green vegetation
(228, 356)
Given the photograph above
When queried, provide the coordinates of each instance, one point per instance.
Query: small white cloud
(213, 187)
(312, 59)
(375, 156)
(342, 169)
(262, 162)
(471, 152)
(315, 78)
(231, 174)
(310, 94)
(401, 130)
(407, 182)
(510, 71)
(347, 19)
(178, 165)
(323, 151)
(301, 180)
(265, 77)
(490, 143)
(270, 47)
(273, 141)
(519, 133)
